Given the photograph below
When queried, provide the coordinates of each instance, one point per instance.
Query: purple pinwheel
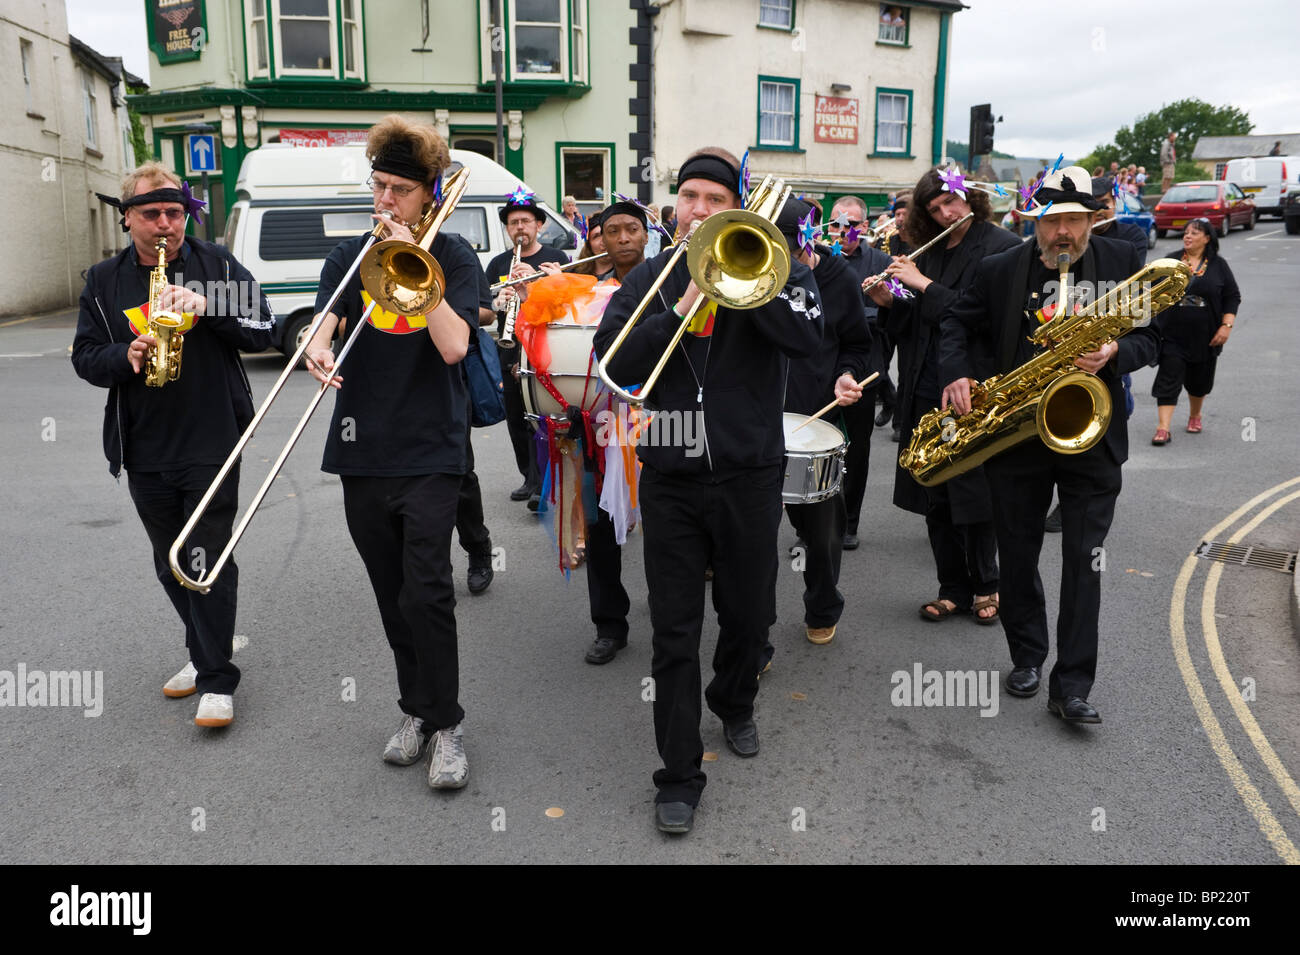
(192, 204)
(808, 232)
(852, 234)
(1114, 188)
(522, 196)
(744, 177)
(897, 289)
(953, 181)
(437, 190)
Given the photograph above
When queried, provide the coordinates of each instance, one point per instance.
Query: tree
(1189, 118)
(140, 145)
(960, 153)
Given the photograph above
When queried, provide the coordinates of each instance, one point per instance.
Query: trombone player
(172, 440)
(398, 442)
(722, 506)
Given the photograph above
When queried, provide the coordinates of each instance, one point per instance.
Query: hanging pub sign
(178, 29)
(835, 120)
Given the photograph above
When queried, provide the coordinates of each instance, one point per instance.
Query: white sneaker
(407, 744)
(448, 767)
(215, 709)
(182, 684)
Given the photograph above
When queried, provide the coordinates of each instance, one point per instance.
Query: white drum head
(816, 436)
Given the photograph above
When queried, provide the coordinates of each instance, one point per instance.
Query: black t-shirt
(498, 270)
(190, 421)
(402, 410)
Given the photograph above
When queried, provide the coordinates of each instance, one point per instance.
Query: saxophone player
(1011, 292)
(172, 440)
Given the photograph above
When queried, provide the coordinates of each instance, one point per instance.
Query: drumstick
(865, 381)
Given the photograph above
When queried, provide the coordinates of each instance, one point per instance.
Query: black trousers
(521, 433)
(821, 526)
(859, 422)
(609, 600)
(470, 527)
(965, 555)
(1087, 485)
(1176, 372)
(690, 525)
(402, 529)
(165, 500)
(888, 394)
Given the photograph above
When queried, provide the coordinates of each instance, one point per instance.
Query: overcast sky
(1063, 76)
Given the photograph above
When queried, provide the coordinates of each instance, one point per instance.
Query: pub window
(778, 118)
(305, 38)
(776, 13)
(585, 176)
(893, 122)
(893, 24)
(544, 40)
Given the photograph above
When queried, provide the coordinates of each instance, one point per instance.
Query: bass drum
(573, 372)
(814, 460)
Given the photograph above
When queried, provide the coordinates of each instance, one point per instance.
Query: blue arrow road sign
(203, 153)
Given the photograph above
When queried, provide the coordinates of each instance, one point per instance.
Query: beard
(1062, 243)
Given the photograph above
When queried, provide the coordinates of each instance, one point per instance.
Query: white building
(65, 136)
(836, 96)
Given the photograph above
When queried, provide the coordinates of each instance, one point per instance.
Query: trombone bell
(738, 259)
(402, 277)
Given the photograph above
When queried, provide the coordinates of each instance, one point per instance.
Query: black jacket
(914, 325)
(104, 334)
(735, 377)
(1186, 328)
(846, 339)
(990, 316)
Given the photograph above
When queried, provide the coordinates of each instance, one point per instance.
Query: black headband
(182, 197)
(621, 209)
(398, 159)
(712, 168)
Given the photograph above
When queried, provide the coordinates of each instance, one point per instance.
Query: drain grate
(1248, 555)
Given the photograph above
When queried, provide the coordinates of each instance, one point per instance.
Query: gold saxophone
(1047, 396)
(163, 361)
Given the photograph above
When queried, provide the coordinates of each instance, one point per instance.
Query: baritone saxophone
(1048, 397)
(163, 361)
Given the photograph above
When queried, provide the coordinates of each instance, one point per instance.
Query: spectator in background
(1168, 160)
(1277, 149)
(1194, 331)
(668, 219)
(1098, 171)
(1141, 179)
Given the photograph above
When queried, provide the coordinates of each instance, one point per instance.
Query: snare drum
(814, 460)
(571, 359)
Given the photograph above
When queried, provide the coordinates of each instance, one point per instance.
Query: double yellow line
(1249, 794)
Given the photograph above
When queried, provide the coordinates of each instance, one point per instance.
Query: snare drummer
(712, 501)
(832, 372)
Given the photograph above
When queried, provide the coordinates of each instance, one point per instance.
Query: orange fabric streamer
(574, 299)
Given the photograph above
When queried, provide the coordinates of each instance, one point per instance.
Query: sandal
(1194, 425)
(983, 603)
(935, 610)
(1161, 437)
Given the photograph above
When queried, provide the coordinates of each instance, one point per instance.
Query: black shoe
(850, 541)
(603, 649)
(897, 436)
(1053, 523)
(741, 737)
(676, 817)
(886, 415)
(522, 492)
(480, 574)
(1074, 709)
(534, 500)
(1023, 681)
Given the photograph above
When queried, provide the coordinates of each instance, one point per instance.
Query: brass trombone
(400, 277)
(737, 258)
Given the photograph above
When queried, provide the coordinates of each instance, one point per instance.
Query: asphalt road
(1182, 770)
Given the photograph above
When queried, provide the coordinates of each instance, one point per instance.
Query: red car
(1223, 203)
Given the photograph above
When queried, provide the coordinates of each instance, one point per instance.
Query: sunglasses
(151, 215)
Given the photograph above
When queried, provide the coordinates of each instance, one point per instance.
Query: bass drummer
(830, 373)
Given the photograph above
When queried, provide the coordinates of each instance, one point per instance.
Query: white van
(294, 204)
(1266, 180)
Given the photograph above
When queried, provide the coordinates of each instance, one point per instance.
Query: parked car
(1267, 180)
(1291, 213)
(1223, 203)
(295, 204)
(1129, 208)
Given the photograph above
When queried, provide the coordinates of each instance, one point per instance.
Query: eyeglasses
(151, 215)
(399, 192)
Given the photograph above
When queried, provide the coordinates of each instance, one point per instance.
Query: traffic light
(981, 130)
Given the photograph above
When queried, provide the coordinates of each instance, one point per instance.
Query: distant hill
(960, 152)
